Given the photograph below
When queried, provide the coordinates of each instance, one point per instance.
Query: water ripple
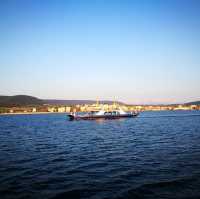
(156, 155)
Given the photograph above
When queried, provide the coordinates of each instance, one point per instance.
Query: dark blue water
(156, 155)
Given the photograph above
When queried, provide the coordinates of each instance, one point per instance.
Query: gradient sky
(133, 51)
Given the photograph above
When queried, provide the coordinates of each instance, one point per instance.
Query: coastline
(38, 113)
(32, 113)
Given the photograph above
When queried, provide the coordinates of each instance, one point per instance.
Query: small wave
(178, 188)
(182, 115)
(72, 194)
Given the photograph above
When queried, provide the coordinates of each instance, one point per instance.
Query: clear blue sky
(133, 51)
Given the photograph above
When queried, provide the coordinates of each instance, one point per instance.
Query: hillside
(193, 103)
(19, 100)
(25, 100)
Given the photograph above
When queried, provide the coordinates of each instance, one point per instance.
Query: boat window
(108, 113)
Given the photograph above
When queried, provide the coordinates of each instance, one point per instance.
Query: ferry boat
(94, 115)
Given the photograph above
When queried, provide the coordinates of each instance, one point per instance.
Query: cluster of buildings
(167, 107)
(37, 109)
(95, 107)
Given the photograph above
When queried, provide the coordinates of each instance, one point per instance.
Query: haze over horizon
(129, 51)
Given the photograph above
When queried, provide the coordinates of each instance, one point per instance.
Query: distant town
(92, 107)
(23, 104)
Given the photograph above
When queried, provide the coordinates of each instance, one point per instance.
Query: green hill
(25, 100)
(193, 103)
(19, 100)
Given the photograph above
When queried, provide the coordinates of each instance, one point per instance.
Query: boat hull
(96, 117)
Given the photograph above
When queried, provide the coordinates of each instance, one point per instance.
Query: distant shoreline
(36, 113)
